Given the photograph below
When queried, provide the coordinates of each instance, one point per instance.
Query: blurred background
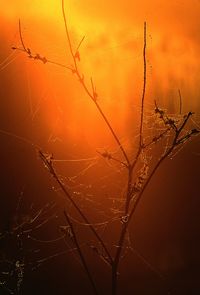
(44, 106)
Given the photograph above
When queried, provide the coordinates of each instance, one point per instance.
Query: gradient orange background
(111, 54)
(46, 105)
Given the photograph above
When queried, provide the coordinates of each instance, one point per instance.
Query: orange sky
(111, 54)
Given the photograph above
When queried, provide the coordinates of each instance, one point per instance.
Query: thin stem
(180, 102)
(175, 142)
(128, 194)
(67, 34)
(144, 85)
(37, 56)
(81, 254)
(85, 219)
(130, 176)
(156, 138)
(20, 34)
(141, 144)
(109, 156)
(178, 130)
(125, 225)
(79, 45)
(59, 64)
(91, 94)
(113, 132)
(54, 174)
(149, 179)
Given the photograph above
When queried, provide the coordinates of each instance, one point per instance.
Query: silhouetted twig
(93, 95)
(81, 254)
(180, 102)
(48, 163)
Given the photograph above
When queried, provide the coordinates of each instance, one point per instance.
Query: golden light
(46, 110)
(111, 54)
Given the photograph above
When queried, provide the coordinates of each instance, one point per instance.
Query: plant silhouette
(169, 133)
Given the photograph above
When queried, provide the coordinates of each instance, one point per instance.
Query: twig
(125, 225)
(48, 164)
(21, 38)
(180, 102)
(79, 45)
(144, 86)
(131, 167)
(88, 92)
(75, 55)
(141, 144)
(155, 139)
(81, 254)
(36, 56)
(109, 156)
